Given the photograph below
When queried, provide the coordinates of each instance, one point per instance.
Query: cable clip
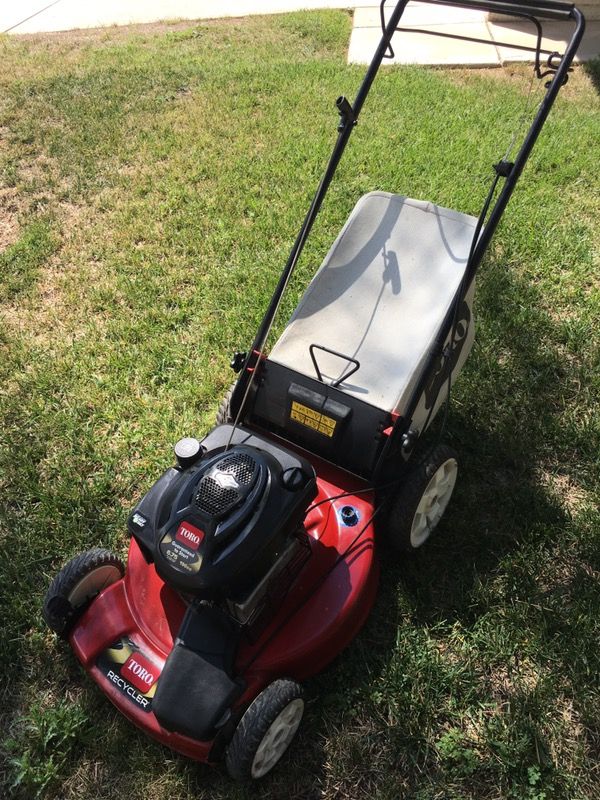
(504, 168)
(346, 112)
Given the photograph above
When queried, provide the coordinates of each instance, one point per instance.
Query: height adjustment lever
(346, 112)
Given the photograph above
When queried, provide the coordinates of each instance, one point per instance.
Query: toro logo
(142, 673)
(189, 535)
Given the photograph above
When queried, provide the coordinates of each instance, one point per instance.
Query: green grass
(153, 182)
(21, 261)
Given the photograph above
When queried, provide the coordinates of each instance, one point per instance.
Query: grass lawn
(152, 183)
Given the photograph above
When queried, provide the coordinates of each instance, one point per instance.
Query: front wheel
(265, 731)
(422, 499)
(76, 585)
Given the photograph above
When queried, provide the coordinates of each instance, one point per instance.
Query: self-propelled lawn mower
(252, 561)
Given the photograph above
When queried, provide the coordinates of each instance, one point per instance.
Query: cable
(236, 421)
(524, 115)
(339, 497)
(476, 234)
(351, 494)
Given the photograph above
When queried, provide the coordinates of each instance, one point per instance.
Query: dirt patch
(9, 225)
(37, 181)
(518, 674)
(571, 496)
(50, 319)
(116, 33)
(519, 77)
(40, 169)
(49, 315)
(563, 748)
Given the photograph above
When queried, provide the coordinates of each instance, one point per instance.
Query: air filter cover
(227, 484)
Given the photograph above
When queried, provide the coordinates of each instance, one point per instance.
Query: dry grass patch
(9, 222)
(572, 496)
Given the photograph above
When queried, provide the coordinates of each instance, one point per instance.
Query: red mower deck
(322, 613)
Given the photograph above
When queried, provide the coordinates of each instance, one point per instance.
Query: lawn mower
(252, 561)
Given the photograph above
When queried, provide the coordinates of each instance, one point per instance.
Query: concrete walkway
(411, 47)
(43, 16)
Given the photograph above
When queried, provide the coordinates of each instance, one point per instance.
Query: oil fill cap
(187, 451)
(294, 479)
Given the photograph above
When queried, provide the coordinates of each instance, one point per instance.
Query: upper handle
(549, 9)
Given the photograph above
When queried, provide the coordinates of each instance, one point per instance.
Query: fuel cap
(187, 451)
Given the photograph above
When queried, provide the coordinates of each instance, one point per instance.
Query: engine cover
(216, 528)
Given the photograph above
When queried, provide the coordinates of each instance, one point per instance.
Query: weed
(41, 744)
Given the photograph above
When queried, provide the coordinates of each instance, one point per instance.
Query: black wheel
(265, 731)
(224, 414)
(78, 582)
(422, 499)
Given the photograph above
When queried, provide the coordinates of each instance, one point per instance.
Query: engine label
(189, 535)
(130, 671)
(180, 549)
(312, 419)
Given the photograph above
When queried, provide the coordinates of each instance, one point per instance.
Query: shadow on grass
(510, 575)
(592, 68)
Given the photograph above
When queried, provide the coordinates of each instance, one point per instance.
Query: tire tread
(255, 723)
(56, 613)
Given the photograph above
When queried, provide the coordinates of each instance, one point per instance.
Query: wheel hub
(433, 502)
(277, 738)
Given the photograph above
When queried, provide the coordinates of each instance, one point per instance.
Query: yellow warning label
(313, 419)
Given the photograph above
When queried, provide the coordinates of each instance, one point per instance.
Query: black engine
(224, 528)
(218, 524)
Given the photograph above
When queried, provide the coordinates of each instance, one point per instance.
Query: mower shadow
(592, 68)
(512, 436)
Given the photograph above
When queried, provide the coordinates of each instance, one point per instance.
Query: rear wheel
(265, 731)
(77, 583)
(423, 498)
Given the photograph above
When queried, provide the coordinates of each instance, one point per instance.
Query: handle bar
(549, 9)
